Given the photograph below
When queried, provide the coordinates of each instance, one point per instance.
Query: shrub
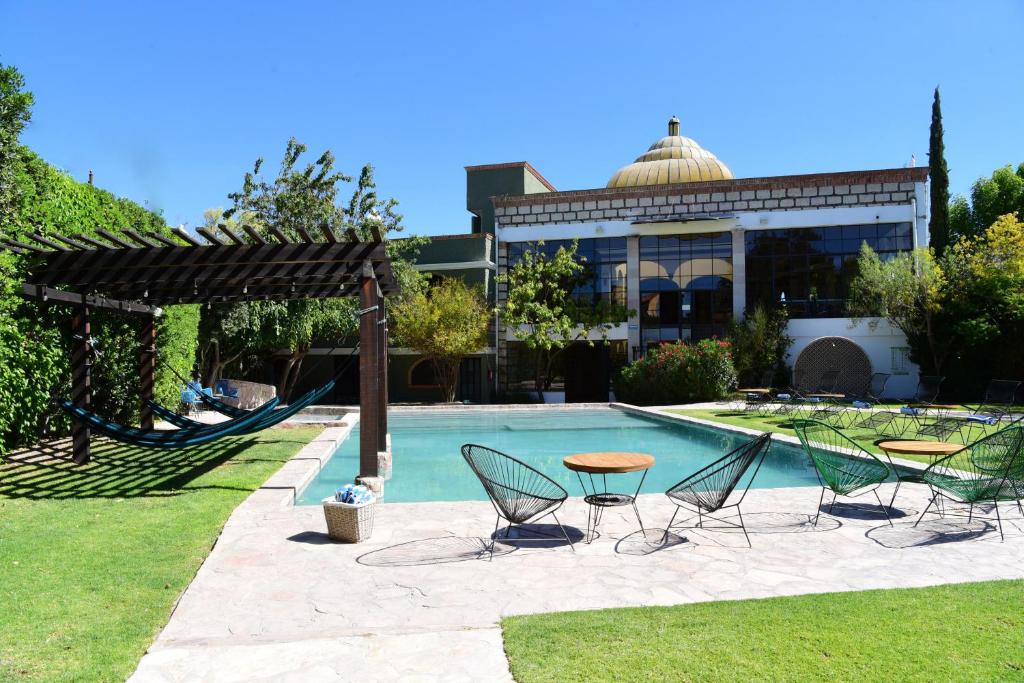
(759, 344)
(679, 373)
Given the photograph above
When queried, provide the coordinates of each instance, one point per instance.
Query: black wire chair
(842, 466)
(519, 493)
(996, 404)
(708, 489)
(842, 415)
(827, 383)
(894, 424)
(789, 400)
(759, 402)
(990, 469)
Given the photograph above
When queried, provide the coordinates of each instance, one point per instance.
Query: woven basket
(347, 522)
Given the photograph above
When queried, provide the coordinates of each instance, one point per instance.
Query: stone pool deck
(276, 600)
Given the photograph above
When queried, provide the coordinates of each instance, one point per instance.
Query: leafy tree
(444, 324)
(304, 198)
(938, 227)
(908, 291)
(540, 310)
(15, 113)
(1001, 194)
(985, 308)
(760, 343)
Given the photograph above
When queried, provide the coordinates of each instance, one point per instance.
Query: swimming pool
(429, 467)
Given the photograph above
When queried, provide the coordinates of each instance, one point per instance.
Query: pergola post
(81, 379)
(147, 369)
(382, 376)
(369, 372)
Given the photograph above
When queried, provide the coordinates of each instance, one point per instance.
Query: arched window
(422, 375)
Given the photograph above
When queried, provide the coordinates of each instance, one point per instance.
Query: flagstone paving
(276, 600)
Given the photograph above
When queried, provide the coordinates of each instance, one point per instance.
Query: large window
(685, 286)
(811, 268)
(604, 261)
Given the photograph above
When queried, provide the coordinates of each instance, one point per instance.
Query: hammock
(179, 438)
(267, 420)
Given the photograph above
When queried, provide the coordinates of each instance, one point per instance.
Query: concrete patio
(276, 600)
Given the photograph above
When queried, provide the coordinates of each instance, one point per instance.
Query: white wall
(876, 336)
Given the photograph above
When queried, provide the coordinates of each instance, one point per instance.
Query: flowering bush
(679, 373)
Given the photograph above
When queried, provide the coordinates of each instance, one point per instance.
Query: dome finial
(673, 125)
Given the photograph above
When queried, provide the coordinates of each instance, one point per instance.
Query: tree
(760, 343)
(985, 308)
(938, 227)
(15, 113)
(305, 199)
(444, 324)
(541, 312)
(908, 291)
(1001, 194)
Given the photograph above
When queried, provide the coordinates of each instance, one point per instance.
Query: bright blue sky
(170, 103)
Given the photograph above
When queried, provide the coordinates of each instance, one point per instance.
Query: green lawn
(960, 632)
(92, 558)
(784, 425)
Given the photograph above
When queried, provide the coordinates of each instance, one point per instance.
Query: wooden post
(369, 385)
(147, 370)
(81, 380)
(382, 374)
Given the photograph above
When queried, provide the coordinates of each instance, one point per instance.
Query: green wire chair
(842, 466)
(990, 469)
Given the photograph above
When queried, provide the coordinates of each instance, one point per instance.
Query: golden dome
(672, 159)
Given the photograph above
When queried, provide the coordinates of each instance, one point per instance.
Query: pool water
(428, 465)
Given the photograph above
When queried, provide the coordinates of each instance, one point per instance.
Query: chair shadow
(930, 532)
(649, 541)
(861, 511)
(788, 523)
(537, 536)
(428, 551)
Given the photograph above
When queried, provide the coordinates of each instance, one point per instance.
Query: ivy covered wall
(34, 340)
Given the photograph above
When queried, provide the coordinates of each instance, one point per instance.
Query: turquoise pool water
(429, 467)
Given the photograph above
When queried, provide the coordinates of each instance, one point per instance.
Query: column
(739, 273)
(147, 369)
(81, 379)
(369, 385)
(382, 375)
(633, 293)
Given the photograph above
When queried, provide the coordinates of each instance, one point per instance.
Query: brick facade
(712, 199)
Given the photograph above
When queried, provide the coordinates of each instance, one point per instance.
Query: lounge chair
(996, 405)
(843, 467)
(708, 489)
(760, 401)
(842, 415)
(893, 423)
(827, 383)
(988, 470)
(519, 493)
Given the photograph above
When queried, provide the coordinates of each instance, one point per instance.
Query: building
(687, 246)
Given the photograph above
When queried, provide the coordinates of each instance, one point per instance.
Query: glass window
(604, 261)
(685, 286)
(813, 267)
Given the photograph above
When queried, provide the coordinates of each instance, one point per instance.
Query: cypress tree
(938, 227)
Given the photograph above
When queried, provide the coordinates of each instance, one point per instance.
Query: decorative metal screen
(836, 353)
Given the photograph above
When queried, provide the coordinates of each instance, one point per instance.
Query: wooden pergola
(134, 273)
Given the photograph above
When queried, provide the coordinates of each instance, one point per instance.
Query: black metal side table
(603, 464)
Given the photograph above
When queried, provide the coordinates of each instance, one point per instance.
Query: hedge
(34, 340)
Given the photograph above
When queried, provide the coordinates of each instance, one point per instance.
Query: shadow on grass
(46, 471)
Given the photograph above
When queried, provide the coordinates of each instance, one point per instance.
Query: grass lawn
(784, 425)
(960, 632)
(93, 558)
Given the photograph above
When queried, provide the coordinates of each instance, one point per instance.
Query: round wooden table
(604, 463)
(929, 448)
(760, 390)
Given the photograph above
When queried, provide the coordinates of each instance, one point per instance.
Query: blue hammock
(269, 419)
(178, 438)
(221, 407)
